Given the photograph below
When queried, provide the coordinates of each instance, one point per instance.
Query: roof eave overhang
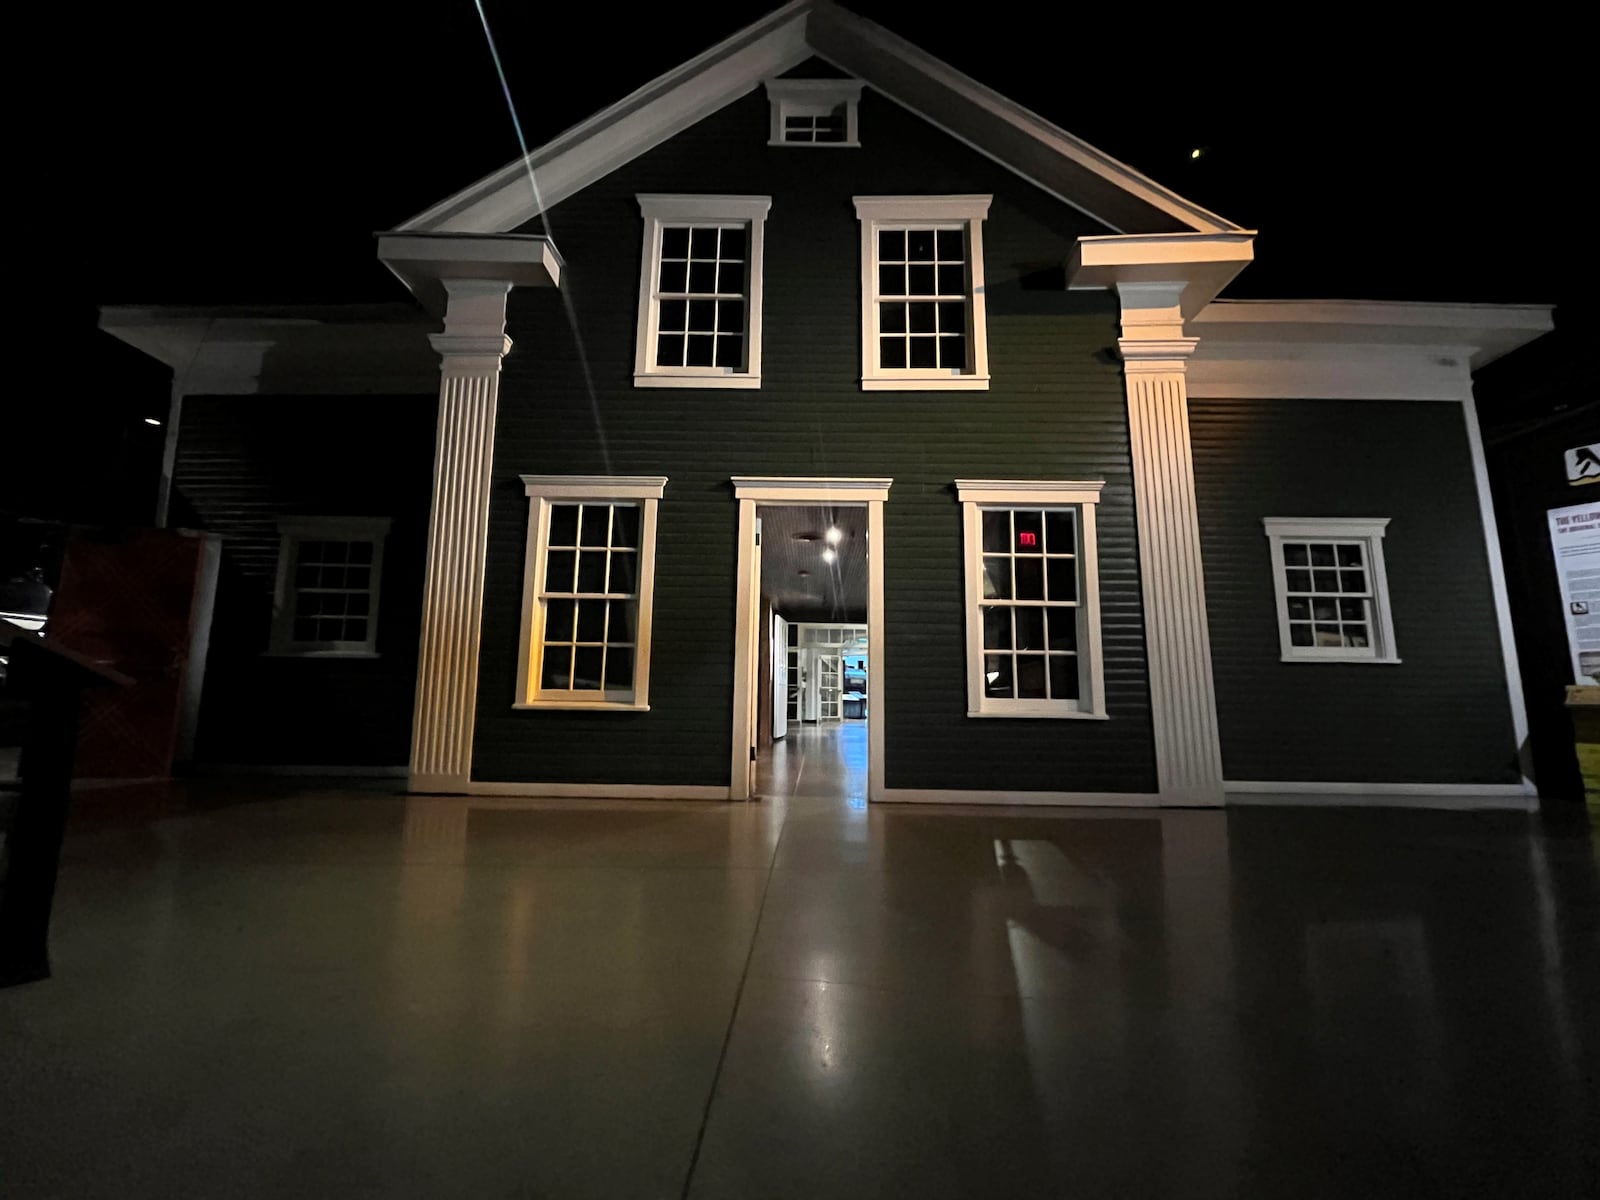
(1197, 266)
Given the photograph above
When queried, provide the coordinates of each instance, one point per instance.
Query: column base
(438, 785)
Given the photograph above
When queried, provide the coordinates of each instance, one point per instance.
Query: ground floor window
(1032, 598)
(330, 571)
(587, 594)
(1332, 589)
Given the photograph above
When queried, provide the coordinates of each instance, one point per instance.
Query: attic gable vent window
(814, 112)
(700, 292)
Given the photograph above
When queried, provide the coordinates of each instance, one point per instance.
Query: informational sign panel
(1575, 536)
(1583, 464)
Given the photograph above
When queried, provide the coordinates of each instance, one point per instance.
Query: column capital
(453, 346)
(1156, 355)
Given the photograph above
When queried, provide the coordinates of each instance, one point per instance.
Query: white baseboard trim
(598, 791)
(1319, 794)
(1019, 799)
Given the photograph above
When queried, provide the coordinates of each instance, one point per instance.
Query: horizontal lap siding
(245, 461)
(1441, 715)
(1055, 411)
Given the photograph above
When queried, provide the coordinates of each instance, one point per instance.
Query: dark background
(246, 154)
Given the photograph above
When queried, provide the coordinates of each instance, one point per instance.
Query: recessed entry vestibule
(810, 578)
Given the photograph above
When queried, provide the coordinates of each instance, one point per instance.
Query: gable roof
(1066, 167)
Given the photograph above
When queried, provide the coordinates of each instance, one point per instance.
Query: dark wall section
(1442, 714)
(245, 461)
(1055, 411)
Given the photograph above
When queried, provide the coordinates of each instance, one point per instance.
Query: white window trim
(814, 97)
(1084, 495)
(543, 491)
(291, 532)
(1367, 530)
(661, 209)
(887, 212)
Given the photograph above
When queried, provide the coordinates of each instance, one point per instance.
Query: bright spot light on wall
(151, 421)
(829, 555)
(833, 535)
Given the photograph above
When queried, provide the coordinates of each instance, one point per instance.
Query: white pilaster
(470, 349)
(1177, 640)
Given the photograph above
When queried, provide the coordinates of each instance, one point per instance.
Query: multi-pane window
(1331, 589)
(922, 298)
(1033, 636)
(591, 568)
(922, 295)
(590, 598)
(700, 292)
(830, 125)
(1029, 607)
(329, 572)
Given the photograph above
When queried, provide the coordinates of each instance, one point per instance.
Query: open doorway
(809, 647)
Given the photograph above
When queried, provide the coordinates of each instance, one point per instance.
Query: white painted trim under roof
(1352, 349)
(1032, 147)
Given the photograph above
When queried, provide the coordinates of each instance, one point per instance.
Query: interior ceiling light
(833, 535)
(829, 555)
(151, 421)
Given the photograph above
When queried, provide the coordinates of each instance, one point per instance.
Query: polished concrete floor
(276, 989)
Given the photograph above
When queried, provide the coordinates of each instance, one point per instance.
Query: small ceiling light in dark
(834, 535)
(151, 421)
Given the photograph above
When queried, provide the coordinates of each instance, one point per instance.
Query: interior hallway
(277, 989)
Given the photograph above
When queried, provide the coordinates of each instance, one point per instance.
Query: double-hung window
(588, 588)
(700, 292)
(1331, 589)
(1033, 599)
(325, 603)
(923, 322)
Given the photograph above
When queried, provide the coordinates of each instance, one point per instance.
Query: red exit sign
(1027, 539)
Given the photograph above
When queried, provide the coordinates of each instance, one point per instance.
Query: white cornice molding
(1168, 270)
(922, 208)
(594, 487)
(1325, 527)
(1158, 353)
(693, 207)
(1023, 491)
(777, 488)
(437, 266)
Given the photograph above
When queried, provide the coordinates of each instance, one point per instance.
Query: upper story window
(923, 324)
(329, 574)
(588, 592)
(700, 292)
(1033, 599)
(1332, 590)
(814, 112)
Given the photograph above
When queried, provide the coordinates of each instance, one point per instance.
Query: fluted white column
(470, 348)
(1177, 639)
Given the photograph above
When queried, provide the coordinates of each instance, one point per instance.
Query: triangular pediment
(1062, 165)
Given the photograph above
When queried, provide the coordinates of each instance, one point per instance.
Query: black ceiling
(830, 592)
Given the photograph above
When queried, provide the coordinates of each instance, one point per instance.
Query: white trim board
(1005, 799)
(1033, 148)
(597, 791)
(1318, 794)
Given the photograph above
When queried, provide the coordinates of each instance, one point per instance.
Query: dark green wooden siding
(245, 461)
(1055, 411)
(1442, 714)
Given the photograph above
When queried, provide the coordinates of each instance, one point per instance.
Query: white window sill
(718, 380)
(580, 706)
(814, 145)
(1334, 658)
(1063, 714)
(291, 652)
(925, 383)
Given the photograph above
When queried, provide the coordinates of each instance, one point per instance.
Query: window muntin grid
(1328, 594)
(590, 598)
(702, 296)
(819, 125)
(922, 298)
(333, 591)
(1030, 603)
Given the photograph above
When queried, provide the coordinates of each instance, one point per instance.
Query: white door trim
(749, 491)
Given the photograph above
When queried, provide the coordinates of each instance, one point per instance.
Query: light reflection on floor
(292, 989)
